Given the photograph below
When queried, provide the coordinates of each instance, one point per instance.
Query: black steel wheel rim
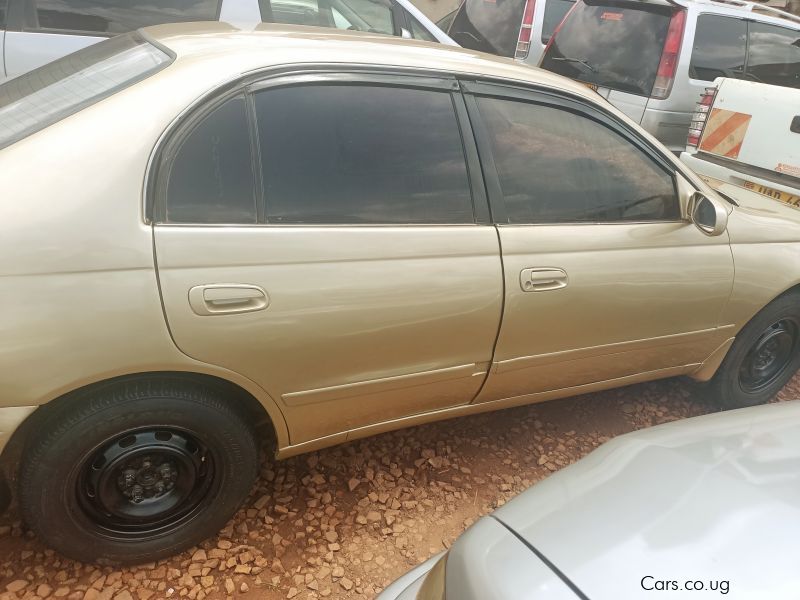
(769, 357)
(145, 482)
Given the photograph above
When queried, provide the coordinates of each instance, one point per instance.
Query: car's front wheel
(764, 356)
(137, 472)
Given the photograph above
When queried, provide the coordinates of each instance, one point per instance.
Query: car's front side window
(358, 15)
(376, 14)
(360, 154)
(418, 31)
(557, 166)
(111, 17)
(211, 176)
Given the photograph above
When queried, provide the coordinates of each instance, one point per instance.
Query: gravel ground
(345, 521)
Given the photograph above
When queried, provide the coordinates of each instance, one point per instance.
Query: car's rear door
(40, 31)
(341, 256)
(603, 279)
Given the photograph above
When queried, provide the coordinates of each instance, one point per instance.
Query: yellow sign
(786, 197)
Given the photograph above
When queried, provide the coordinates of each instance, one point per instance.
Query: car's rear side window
(554, 13)
(111, 17)
(488, 25)
(611, 44)
(3, 8)
(557, 166)
(773, 55)
(358, 15)
(211, 176)
(357, 154)
(719, 48)
(50, 93)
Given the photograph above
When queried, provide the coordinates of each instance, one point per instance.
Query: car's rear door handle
(795, 125)
(542, 279)
(227, 298)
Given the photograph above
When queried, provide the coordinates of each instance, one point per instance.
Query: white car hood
(712, 499)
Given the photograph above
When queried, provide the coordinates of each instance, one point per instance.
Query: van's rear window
(33, 101)
(617, 45)
(488, 25)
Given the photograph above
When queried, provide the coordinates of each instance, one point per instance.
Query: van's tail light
(700, 117)
(525, 30)
(669, 56)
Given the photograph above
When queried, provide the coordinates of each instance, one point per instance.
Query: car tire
(763, 357)
(137, 472)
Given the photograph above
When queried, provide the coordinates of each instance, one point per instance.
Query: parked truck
(748, 134)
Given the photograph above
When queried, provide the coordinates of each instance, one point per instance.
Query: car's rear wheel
(764, 356)
(137, 472)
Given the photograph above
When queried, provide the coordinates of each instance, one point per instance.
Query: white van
(748, 134)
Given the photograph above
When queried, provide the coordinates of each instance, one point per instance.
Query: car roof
(267, 45)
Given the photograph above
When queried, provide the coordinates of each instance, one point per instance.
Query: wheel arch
(257, 406)
(712, 364)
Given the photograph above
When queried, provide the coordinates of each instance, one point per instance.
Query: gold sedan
(337, 234)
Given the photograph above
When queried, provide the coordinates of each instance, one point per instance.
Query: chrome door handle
(227, 298)
(542, 279)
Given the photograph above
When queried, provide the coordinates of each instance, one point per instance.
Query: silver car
(35, 32)
(710, 504)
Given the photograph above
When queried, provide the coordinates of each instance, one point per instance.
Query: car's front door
(603, 278)
(321, 236)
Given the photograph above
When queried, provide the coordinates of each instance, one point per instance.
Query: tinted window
(554, 13)
(3, 5)
(774, 55)
(488, 25)
(355, 154)
(558, 167)
(211, 177)
(611, 44)
(50, 93)
(418, 31)
(114, 16)
(357, 15)
(718, 49)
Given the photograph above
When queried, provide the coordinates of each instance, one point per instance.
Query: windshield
(488, 25)
(616, 45)
(41, 97)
